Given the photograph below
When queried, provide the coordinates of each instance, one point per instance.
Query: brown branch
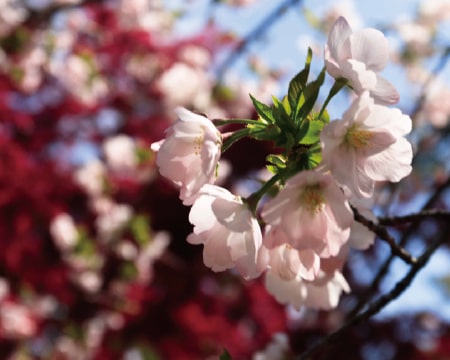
(383, 234)
(399, 220)
(382, 271)
(381, 302)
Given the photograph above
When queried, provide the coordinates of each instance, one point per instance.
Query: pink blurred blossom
(64, 231)
(16, 321)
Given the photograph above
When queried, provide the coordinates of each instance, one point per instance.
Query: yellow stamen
(358, 138)
(312, 198)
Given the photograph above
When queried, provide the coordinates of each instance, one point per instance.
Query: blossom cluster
(298, 227)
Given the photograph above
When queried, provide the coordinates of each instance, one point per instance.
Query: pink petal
(359, 77)
(310, 264)
(370, 47)
(337, 39)
(392, 164)
(384, 92)
(390, 119)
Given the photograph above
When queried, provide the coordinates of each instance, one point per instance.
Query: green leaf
(128, 271)
(303, 157)
(263, 110)
(270, 133)
(286, 105)
(310, 131)
(312, 19)
(140, 227)
(225, 355)
(276, 102)
(236, 136)
(147, 352)
(143, 155)
(311, 93)
(278, 160)
(314, 156)
(297, 84)
(85, 246)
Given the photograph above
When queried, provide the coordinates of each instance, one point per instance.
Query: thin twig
(382, 301)
(382, 271)
(255, 34)
(383, 234)
(399, 220)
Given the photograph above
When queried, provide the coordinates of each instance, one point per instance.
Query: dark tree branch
(399, 220)
(382, 301)
(383, 234)
(382, 271)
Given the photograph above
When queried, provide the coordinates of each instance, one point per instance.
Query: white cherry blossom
(309, 213)
(367, 145)
(322, 293)
(189, 154)
(229, 232)
(359, 57)
(289, 263)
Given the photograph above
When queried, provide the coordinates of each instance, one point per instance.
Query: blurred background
(94, 262)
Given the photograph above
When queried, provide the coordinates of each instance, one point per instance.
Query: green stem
(236, 136)
(337, 86)
(221, 122)
(254, 198)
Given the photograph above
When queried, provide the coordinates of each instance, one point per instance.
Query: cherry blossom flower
(91, 177)
(436, 108)
(113, 220)
(367, 145)
(309, 213)
(289, 263)
(12, 14)
(322, 293)
(185, 85)
(434, 11)
(341, 8)
(149, 254)
(120, 153)
(17, 321)
(226, 227)
(64, 231)
(189, 154)
(359, 57)
(277, 349)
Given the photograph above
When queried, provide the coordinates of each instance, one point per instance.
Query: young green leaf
(311, 93)
(225, 355)
(297, 84)
(263, 110)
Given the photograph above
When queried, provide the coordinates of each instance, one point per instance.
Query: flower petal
(370, 47)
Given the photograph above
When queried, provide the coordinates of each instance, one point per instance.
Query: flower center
(198, 142)
(358, 138)
(312, 198)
